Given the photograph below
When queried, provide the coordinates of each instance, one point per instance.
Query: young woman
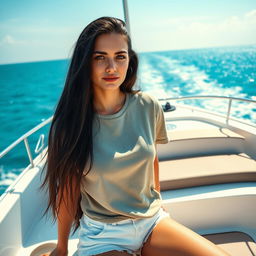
(102, 166)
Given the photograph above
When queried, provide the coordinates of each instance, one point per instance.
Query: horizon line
(138, 52)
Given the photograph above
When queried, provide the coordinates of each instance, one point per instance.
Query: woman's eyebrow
(100, 52)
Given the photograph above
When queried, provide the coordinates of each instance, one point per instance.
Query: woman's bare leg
(171, 238)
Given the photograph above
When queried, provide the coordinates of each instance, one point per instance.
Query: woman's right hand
(55, 252)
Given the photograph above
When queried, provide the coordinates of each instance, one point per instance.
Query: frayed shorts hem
(105, 249)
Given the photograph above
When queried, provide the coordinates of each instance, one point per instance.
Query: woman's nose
(111, 66)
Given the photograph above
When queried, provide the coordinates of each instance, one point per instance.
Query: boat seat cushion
(206, 170)
(216, 132)
(235, 243)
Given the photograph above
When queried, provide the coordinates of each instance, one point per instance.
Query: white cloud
(9, 40)
(33, 43)
(251, 15)
(195, 32)
(36, 40)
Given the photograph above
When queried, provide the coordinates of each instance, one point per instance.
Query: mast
(126, 16)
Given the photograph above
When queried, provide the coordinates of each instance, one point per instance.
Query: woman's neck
(108, 102)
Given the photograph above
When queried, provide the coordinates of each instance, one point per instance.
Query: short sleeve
(161, 132)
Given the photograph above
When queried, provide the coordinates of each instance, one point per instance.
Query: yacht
(207, 178)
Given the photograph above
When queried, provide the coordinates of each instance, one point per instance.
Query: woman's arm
(156, 174)
(65, 218)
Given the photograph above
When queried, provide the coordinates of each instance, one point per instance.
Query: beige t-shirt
(121, 183)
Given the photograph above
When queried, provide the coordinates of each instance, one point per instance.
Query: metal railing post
(29, 152)
(229, 109)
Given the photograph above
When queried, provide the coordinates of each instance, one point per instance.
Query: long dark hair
(70, 147)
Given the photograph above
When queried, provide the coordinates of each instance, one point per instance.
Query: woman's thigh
(171, 238)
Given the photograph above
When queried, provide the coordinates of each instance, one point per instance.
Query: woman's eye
(121, 57)
(99, 57)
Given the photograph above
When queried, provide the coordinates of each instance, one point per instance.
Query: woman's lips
(110, 79)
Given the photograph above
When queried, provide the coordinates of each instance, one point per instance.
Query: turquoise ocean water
(29, 91)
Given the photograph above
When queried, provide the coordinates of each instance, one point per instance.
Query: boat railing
(229, 107)
(40, 143)
(24, 138)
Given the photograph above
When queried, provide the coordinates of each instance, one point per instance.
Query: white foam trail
(7, 177)
(152, 81)
(196, 81)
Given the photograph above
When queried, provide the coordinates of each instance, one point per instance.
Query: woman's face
(110, 62)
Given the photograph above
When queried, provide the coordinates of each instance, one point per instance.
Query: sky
(33, 30)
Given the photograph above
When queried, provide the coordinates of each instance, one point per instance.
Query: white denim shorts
(129, 235)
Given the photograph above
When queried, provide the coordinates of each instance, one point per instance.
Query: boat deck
(208, 170)
(224, 214)
(236, 243)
